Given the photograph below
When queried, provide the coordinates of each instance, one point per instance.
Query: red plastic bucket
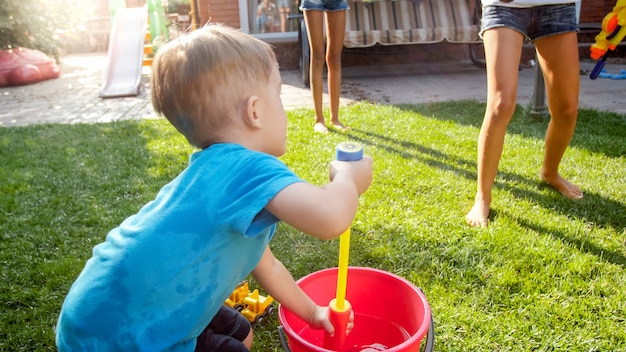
(390, 313)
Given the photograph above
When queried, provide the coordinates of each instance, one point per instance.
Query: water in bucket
(390, 314)
(369, 334)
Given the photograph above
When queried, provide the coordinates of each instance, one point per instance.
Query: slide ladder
(158, 33)
(148, 48)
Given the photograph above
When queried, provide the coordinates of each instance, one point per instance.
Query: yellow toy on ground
(252, 305)
(613, 32)
(239, 294)
(257, 307)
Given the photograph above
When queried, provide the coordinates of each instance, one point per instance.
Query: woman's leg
(284, 12)
(336, 27)
(314, 20)
(558, 59)
(261, 23)
(503, 48)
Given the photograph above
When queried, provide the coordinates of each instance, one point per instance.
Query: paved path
(73, 97)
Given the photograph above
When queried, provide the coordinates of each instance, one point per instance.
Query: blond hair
(201, 81)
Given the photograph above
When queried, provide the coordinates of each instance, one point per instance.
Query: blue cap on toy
(348, 151)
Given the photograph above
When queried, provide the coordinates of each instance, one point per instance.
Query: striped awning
(396, 22)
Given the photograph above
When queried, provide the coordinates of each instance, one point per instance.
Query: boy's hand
(359, 171)
(320, 319)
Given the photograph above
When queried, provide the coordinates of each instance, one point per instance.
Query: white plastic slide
(125, 58)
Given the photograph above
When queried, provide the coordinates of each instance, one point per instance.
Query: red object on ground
(390, 313)
(22, 66)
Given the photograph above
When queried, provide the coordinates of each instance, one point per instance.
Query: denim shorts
(324, 5)
(283, 3)
(533, 22)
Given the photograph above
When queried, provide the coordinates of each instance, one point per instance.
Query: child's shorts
(324, 5)
(533, 22)
(225, 332)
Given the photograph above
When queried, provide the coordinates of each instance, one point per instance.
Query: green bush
(172, 5)
(34, 23)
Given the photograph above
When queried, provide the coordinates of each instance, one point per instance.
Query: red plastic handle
(340, 321)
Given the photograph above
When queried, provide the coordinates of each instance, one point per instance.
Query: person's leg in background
(558, 59)
(336, 27)
(503, 49)
(314, 20)
(284, 7)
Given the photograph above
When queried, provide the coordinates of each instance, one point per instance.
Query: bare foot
(320, 127)
(340, 126)
(478, 215)
(562, 185)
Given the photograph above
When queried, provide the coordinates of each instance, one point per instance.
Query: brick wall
(219, 11)
(227, 12)
(593, 11)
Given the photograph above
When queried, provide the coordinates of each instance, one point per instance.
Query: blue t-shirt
(160, 277)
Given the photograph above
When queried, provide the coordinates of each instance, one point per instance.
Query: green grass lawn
(547, 275)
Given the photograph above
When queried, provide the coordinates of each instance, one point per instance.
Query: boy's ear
(252, 115)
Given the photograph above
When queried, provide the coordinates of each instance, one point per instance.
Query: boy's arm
(272, 275)
(324, 211)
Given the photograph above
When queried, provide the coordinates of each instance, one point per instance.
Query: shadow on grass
(63, 189)
(596, 131)
(614, 257)
(410, 150)
(462, 167)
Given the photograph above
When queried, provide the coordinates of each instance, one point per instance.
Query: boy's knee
(228, 331)
(248, 340)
